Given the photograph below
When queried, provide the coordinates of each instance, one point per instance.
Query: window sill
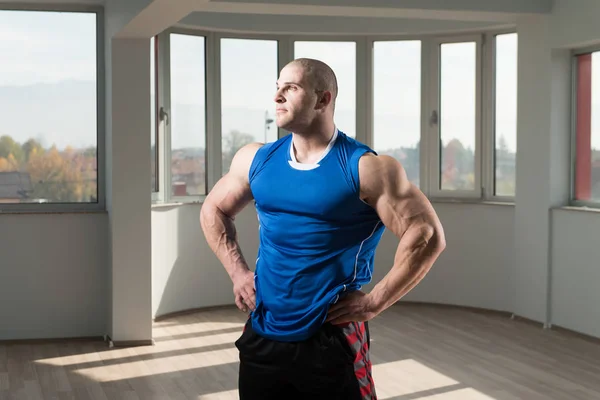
(49, 210)
(472, 201)
(172, 204)
(578, 208)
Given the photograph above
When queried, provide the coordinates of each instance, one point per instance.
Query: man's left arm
(407, 212)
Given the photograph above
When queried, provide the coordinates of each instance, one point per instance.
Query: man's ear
(324, 99)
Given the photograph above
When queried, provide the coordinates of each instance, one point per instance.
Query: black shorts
(332, 364)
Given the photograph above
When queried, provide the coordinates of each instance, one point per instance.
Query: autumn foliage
(67, 175)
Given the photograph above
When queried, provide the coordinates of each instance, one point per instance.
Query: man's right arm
(228, 197)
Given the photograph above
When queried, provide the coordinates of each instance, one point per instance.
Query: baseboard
(583, 336)
(472, 309)
(52, 340)
(127, 343)
(188, 311)
(131, 343)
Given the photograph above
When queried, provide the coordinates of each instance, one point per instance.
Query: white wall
(53, 275)
(542, 160)
(575, 23)
(185, 272)
(285, 24)
(576, 271)
(473, 271)
(575, 254)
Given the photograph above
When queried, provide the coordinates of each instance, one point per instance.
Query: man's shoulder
(377, 172)
(245, 154)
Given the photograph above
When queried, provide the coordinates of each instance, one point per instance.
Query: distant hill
(64, 114)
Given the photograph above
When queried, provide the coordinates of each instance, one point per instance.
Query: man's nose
(278, 97)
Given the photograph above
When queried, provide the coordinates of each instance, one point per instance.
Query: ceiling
(316, 16)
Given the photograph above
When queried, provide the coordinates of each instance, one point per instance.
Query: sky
(60, 42)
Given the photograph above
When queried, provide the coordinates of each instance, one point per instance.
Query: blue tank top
(317, 238)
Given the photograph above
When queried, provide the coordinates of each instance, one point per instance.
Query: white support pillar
(128, 190)
(129, 26)
(542, 162)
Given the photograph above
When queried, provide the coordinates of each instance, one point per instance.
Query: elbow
(208, 213)
(438, 239)
(434, 236)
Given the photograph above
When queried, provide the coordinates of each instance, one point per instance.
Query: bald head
(319, 75)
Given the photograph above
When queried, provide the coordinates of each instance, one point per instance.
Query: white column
(542, 162)
(128, 189)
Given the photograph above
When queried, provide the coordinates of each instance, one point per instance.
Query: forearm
(418, 250)
(221, 235)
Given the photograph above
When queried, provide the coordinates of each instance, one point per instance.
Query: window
(188, 114)
(341, 57)
(48, 107)
(458, 116)
(505, 121)
(397, 102)
(247, 104)
(445, 107)
(587, 135)
(154, 112)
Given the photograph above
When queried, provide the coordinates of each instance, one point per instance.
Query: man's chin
(285, 125)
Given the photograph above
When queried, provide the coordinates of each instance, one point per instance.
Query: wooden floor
(418, 352)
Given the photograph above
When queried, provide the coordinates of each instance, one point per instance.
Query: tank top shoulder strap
(355, 150)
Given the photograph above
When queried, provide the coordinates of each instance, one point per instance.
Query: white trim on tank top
(306, 167)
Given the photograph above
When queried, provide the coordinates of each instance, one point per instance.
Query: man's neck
(308, 147)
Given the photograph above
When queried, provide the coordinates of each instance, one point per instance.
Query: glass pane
(587, 161)
(188, 117)
(506, 115)
(153, 130)
(397, 102)
(458, 115)
(48, 107)
(341, 57)
(248, 107)
(595, 140)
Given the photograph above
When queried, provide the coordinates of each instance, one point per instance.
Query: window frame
(434, 154)
(429, 141)
(489, 118)
(100, 204)
(282, 59)
(164, 195)
(423, 120)
(363, 82)
(157, 80)
(573, 201)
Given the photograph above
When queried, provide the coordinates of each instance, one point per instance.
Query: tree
(8, 164)
(29, 146)
(55, 177)
(9, 146)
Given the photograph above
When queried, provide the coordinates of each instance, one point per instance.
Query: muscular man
(323, 201)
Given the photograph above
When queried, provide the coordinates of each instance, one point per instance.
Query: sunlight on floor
(393, 379)
(406, 377)
(227, 395)
(166, 330)
(460, 394)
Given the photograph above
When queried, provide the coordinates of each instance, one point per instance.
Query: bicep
(401, 209)
(399, 203)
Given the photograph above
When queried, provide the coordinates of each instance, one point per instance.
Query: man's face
(296, 99)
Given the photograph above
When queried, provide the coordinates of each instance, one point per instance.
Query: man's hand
(355, 306)
(244, 290)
